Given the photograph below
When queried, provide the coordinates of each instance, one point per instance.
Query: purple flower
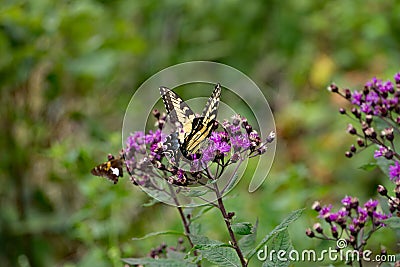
(372, 97)
(135, 142)
(240, 141)
(346, 201)
(362, 214)
(333, 217)
(357, 98)
(397, 77)
(366, 108)
(394, 172)
(223, 147)
(325, 211)
(380, 152)
(380, 217)
(371, 205)
(342, 213)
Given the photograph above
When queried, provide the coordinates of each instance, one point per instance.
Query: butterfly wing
(192, 130)
(202, 126)
(179, 112)
(112, 169)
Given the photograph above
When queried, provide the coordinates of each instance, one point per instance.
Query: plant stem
(185, 222)
(227, 220)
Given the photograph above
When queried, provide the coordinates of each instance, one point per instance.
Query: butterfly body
(192, 130)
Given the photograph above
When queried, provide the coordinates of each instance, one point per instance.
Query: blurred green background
(69, 68)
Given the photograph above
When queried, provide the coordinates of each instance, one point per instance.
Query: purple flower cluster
(394, 171)
(143, 152)
(352, 221)
(377, 109)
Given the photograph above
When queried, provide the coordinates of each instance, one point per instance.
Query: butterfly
(111, 169)
(192, 130)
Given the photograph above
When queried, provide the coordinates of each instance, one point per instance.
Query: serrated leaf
(222, 256)
(247, 242)
(393, 222)
(368, 166)
(282, 226)
(203, 240)
(243, 228)
(195, 228)
(158, 262)
(173, 254)
(169, 232)
(282, 244)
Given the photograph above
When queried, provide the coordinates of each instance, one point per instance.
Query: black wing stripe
(211, 108)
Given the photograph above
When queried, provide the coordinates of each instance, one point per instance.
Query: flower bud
(347, 93)
(333, 88)
(310, 233)
(317, 227)
(360, 142)
(316, 206)
(342, 111)
(382, 190)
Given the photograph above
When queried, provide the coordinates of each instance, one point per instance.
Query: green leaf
(247, 242)
(202, 211)
(243, 228)
(169, 232)
(195, 228)
(232, 182)
(195, 193)
(158, 262)
(203, 241)
(222, 256)
(384, 164)
(215, 251)
(152, 202)
(368, 166)
(282, 244)
(282, 226)
(393, 222)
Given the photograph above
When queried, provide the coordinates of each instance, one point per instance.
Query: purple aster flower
(394, 171)
(357, 98)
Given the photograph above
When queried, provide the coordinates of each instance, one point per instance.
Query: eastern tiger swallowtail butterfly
(192, 130)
